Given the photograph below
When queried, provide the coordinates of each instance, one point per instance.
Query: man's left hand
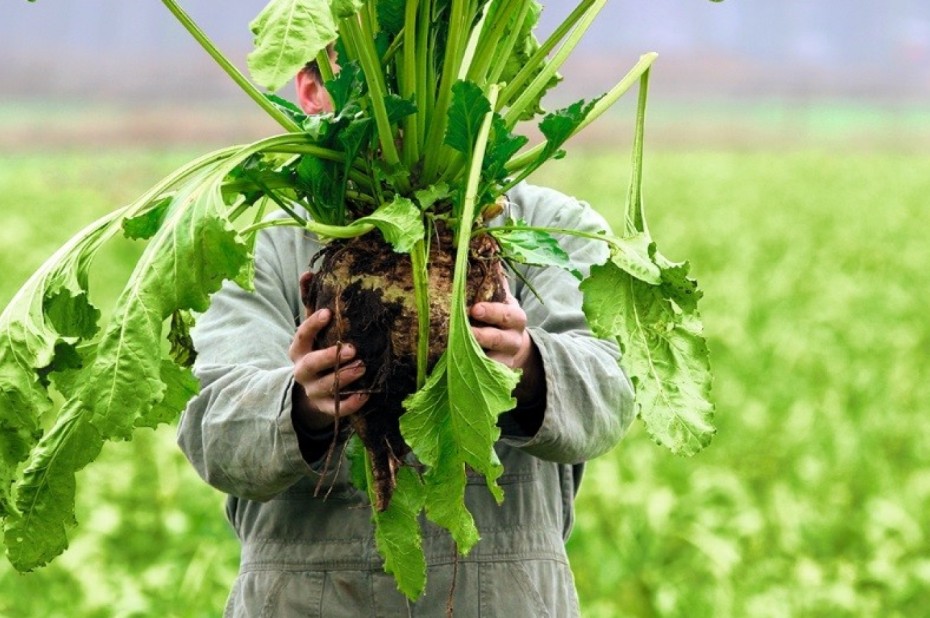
(502, 332)
(500, 329)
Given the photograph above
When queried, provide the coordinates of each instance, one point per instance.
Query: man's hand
(319, 374)
(501, 331)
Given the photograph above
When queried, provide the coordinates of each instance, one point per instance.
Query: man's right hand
(319, 374)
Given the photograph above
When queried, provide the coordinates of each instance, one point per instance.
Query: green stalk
(516, 109)
(264, 145)
(358, 174)
(408, 84)
(180, 174)
(393, 49)
(205, 42)
(320, 229)
(481, 53)
(271, 195)
(635, 216)
(552, 231)
(239, 210)
(615, 242)
(418, 260)
(499, 55)
(471, 44)
(271, 180)
(308, 147)
(518, 83)
(291, 142)
(435, 159)
(370, 483)
(425, 95)
(363, 39)
(145, 200)
(325, 66)
(529, 158)
(490, 49)
(471, 197)
(639, 69)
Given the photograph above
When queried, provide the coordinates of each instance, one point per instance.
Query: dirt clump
(369, 289)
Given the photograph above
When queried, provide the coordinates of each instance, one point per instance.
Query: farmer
(263, 422)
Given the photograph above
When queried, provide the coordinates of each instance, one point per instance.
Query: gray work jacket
(309, 556)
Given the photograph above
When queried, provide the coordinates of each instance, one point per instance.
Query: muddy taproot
(369, 289)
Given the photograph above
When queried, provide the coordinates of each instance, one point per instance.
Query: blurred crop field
(813, 499)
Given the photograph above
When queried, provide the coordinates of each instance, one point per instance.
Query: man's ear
(311, 94)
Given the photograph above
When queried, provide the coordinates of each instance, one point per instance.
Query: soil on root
(369, 289)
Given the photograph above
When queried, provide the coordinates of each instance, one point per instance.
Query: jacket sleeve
(589, 400)
(237, 432)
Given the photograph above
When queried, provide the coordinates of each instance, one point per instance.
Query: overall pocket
(527, 588)
(266, 594)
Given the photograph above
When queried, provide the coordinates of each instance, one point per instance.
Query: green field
(813, 500)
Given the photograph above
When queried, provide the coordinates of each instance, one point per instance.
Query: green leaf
(445, 496)
(391, 15)
(394, 175)
(399, 221)
(534, 247)
(502, 146)
(355, 137)
(356, 456)
(184, 263)
(68, 357)
(452, 422)
(664, 354)
(67, 379)
(466, 114)
(477, 383)
(398, 536)
(144, 226)
(180, 387)
(182, 350)
(39, 327)
(558, 126)
(634, 255)
(315, 179)
(677, 285)
(523, 51)
(343, 9)
(346, 86)
(246, 277)
(38, 531)
(288, 34)
(288, 107)
(432, 194)
(398, 107)
(70, 312)
(427, 429)
(193, 251)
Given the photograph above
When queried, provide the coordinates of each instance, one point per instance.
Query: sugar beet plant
(404, 174)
